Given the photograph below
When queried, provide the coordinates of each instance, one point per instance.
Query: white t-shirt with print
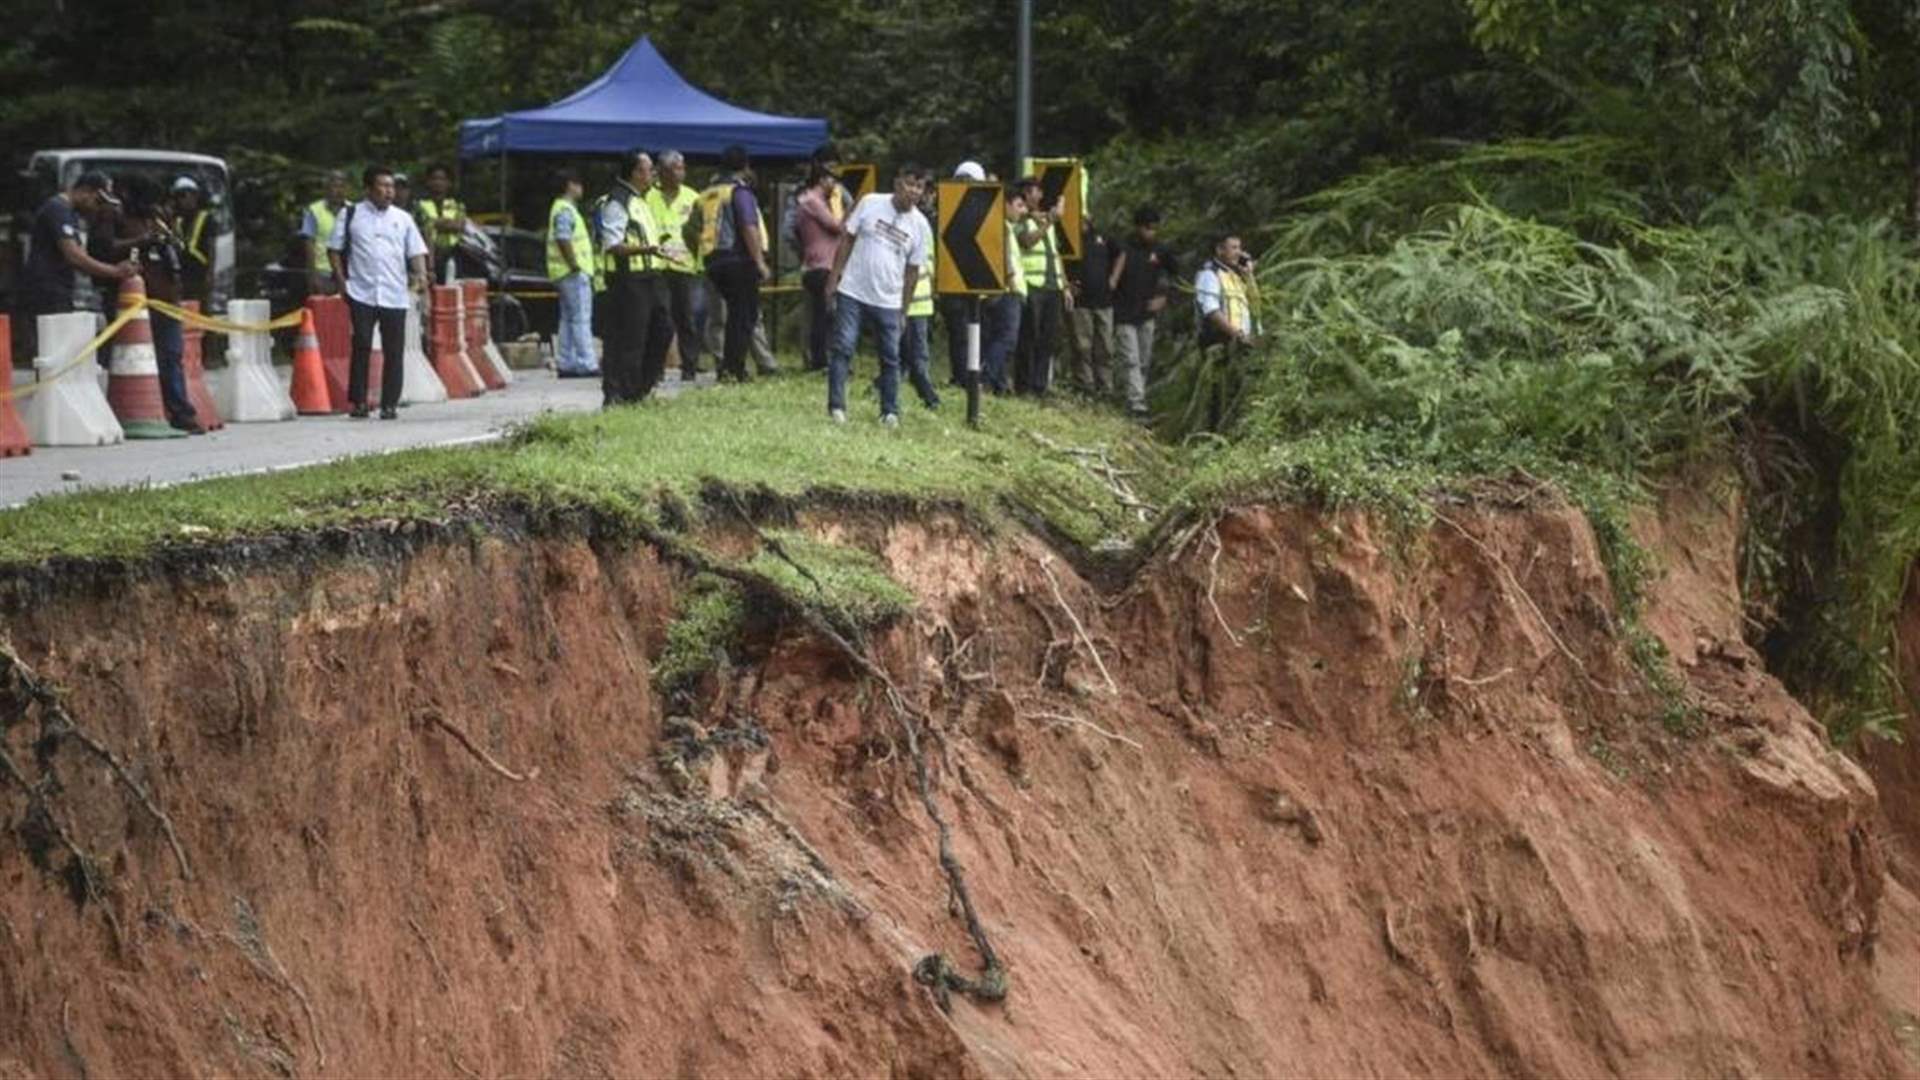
(886, 242)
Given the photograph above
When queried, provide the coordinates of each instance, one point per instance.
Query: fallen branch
(1046, 567)
(1060, 719)
(433, 716)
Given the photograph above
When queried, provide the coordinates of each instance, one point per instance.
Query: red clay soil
(1352, 804)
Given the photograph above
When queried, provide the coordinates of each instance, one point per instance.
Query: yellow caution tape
(126, 315)
(208, 322)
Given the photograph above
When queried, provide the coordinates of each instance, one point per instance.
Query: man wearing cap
(191, 218)
(57, 251)
(377, 252)
(403, 193)
(316, 227)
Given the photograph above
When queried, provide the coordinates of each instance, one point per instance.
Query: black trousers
(393, 338)
(738, 282)
(680, 305)
(639, 329)
(1039, 332)
(819, 320)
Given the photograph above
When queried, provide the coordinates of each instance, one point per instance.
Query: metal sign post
(970, 260)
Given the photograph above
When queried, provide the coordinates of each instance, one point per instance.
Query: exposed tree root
(56, 723)
(933, 970)
(433, 716)
(1046, 567)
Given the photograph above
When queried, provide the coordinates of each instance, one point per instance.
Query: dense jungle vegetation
(1574, 241)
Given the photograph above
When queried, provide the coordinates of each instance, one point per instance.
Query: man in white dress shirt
(377, 251)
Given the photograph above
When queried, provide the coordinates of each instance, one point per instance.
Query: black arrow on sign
(1053, 184)
(961, 239)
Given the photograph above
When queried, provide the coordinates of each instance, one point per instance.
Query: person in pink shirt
(820, 228)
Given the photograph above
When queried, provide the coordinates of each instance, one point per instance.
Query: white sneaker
(838, 416)
(890, 421)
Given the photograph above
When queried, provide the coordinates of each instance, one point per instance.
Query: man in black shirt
(57, 250)
(1142, 268)
(1091, 324)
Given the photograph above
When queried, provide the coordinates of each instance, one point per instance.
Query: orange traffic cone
(13, 434)
(309, 372)
(194, 360)
(133, 375)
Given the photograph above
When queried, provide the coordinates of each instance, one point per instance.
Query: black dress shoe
(358, 412)
(190, 425)
(388, 412)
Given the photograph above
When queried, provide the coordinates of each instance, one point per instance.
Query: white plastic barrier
(251, 393)
(71, 410)
(423, 385)
(499, 362)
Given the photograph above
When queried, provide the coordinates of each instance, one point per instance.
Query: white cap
(185, 183)
(969, 170)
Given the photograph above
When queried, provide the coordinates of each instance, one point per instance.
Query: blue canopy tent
(640, 102)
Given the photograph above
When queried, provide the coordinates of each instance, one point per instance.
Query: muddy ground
(1301, 796)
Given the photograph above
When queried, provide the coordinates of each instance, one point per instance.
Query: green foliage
(712, 611)
(1423, 335)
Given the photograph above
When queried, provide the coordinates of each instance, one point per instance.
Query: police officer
(191, 218)
(639, 326)
(442, 219)
(316, 228)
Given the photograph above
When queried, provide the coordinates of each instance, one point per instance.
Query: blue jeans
(169, 349)
(574, 349)
(913, 357)
(999, 333)
(848, 317)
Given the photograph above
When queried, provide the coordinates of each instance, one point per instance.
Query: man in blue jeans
(882, 254)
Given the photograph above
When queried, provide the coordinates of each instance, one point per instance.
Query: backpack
(718, 231)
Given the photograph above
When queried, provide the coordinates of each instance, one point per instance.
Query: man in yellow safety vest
(191, 216)
(442, 219)
(1047, 298)
(316, 227)
(570, 266)
(681, 270)
(1224, 299)
(638, 324)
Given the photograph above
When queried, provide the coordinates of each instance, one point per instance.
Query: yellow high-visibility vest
(323, 219)
(581, 241)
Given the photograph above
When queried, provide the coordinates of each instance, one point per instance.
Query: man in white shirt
(883, 251)
(376, 251)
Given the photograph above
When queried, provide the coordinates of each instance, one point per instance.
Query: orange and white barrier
(450, 344)
(13, 433)
(70, 410)
(133, 373)
(251, 393)
(473, 323)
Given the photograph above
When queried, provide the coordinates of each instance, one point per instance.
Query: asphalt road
(308, 440)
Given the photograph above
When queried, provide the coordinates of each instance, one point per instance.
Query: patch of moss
(711, 614)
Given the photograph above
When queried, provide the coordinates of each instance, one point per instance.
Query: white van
(50, 171)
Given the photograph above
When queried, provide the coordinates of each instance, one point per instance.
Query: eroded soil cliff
(1305, 797)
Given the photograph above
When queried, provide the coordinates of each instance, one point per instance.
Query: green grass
(848, 585)
(772, 434)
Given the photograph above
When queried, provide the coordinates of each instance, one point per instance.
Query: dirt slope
(1357, 804)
